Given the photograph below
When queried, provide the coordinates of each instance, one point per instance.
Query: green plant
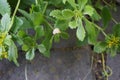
(50, 20)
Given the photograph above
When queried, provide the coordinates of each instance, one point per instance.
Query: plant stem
(114, 21)
(99, 28)
(107, 3)
(104, 67)
(36, 1)
(13, 17)
(46, 4)
(48, 24)
(109, 70)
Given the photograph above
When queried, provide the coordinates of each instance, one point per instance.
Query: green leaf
(39, 32)
(25, 47)
(64, 35)
(27, 15)
(30, 54)
(61, 15)
(7, 40)
(96, 16)
(17, 24)
(13, 53)
(88, 10)
(4, 7)
(61, 24)
(21, 34)
(67, 13)
(99, 4)
(82, 4)
(106, 16)
(91, 32)
(48, 44)
(47, 53)
(64, 1)
(29, 41)
(73, 24)
(57, 14)
(41, 48)
(55, 2)
(47, 40)
(113, 52)
(100, 47)
(82, 43)
(80, 31)
(17, 39)
(37, 18)
(56, 37)
(72, 3)
(5, 22)
(116, 30)
(26, 24)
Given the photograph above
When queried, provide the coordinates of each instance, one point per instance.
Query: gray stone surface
(118, 1)
(114, 63)
(62, 65)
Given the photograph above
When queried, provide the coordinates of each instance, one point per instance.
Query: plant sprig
(51, 23)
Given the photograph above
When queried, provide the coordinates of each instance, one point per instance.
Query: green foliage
(106, 16)
(82, 3)
(25, 47)
(96, 16)
(4, 7)
(73, 24)
(116, 30)
(37, 18)
(27, 16)
(113, 44)
(47, 41)
(5, 22)
(89, 10)
(80, 31)
(13, 53)
(67, 13)
(64, 14)
(64, 1)
(17, 24)
(30, 54)
(91, 32)
(61, 24)
(39, 32)
(41, 48)
(64, 35)
(72, 3)
(100, 47)
(49, 21)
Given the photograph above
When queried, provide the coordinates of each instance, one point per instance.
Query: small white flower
(56, 31)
